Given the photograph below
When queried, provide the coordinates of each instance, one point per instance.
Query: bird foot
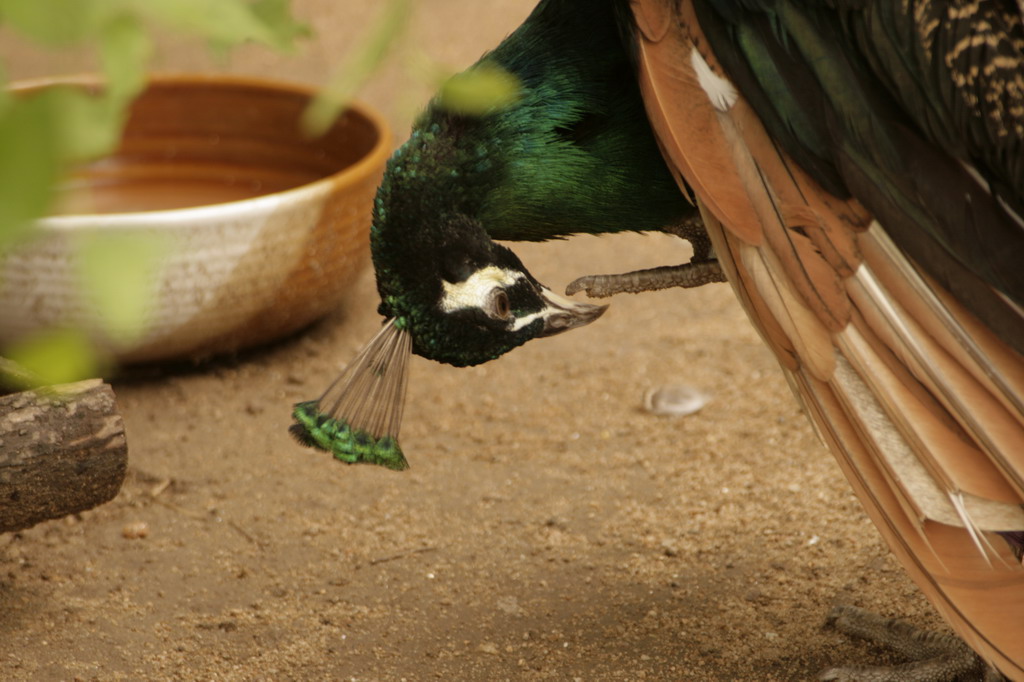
(688, 275)
(935, 657)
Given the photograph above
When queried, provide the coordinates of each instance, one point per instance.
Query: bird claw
(586, 283)
(935, 657)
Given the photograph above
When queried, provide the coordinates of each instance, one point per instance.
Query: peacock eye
(501, 307)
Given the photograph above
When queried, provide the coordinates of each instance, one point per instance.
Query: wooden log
(62, 451)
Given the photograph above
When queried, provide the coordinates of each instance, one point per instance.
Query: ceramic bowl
(260, 230)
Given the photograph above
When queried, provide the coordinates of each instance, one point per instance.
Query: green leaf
(60, 23)
(124, 51)
(276, 15)
(28, 165)
(57, 356)
(119, 273)
(356, 68)
(54, 22)
(479, 90)
(222, 22)
(88, 125)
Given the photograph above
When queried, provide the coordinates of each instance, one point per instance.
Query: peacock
(854, 168)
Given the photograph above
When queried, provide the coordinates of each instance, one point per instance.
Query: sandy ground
(549, 527)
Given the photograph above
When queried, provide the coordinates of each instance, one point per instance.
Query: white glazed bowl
(261, 230)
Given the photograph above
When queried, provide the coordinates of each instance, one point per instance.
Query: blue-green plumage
(578, 152)
(572, 152)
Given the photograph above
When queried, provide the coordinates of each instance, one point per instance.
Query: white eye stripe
(552, 302)
(527, 319)
(475, 290)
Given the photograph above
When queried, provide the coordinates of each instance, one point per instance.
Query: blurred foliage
(56, 356)
(119, 272)
(479, 90)
(44, 133)
(361, 62)
(29, 164)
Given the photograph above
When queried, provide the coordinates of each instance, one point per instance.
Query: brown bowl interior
(195, 140)
(192, 143)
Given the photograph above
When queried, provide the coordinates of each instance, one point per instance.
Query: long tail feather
(918, 398)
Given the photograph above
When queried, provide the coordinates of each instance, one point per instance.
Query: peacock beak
(562, 314)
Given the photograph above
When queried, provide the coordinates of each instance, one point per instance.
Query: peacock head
(452, 295)
(465, 299)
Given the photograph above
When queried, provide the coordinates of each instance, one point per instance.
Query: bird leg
(702, 269)
(935, 657)
(685, 275)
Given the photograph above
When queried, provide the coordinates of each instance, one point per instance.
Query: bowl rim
(365, 166)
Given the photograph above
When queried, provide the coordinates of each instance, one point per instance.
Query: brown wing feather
(688, 136)
(920, 403)
(771, 331)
